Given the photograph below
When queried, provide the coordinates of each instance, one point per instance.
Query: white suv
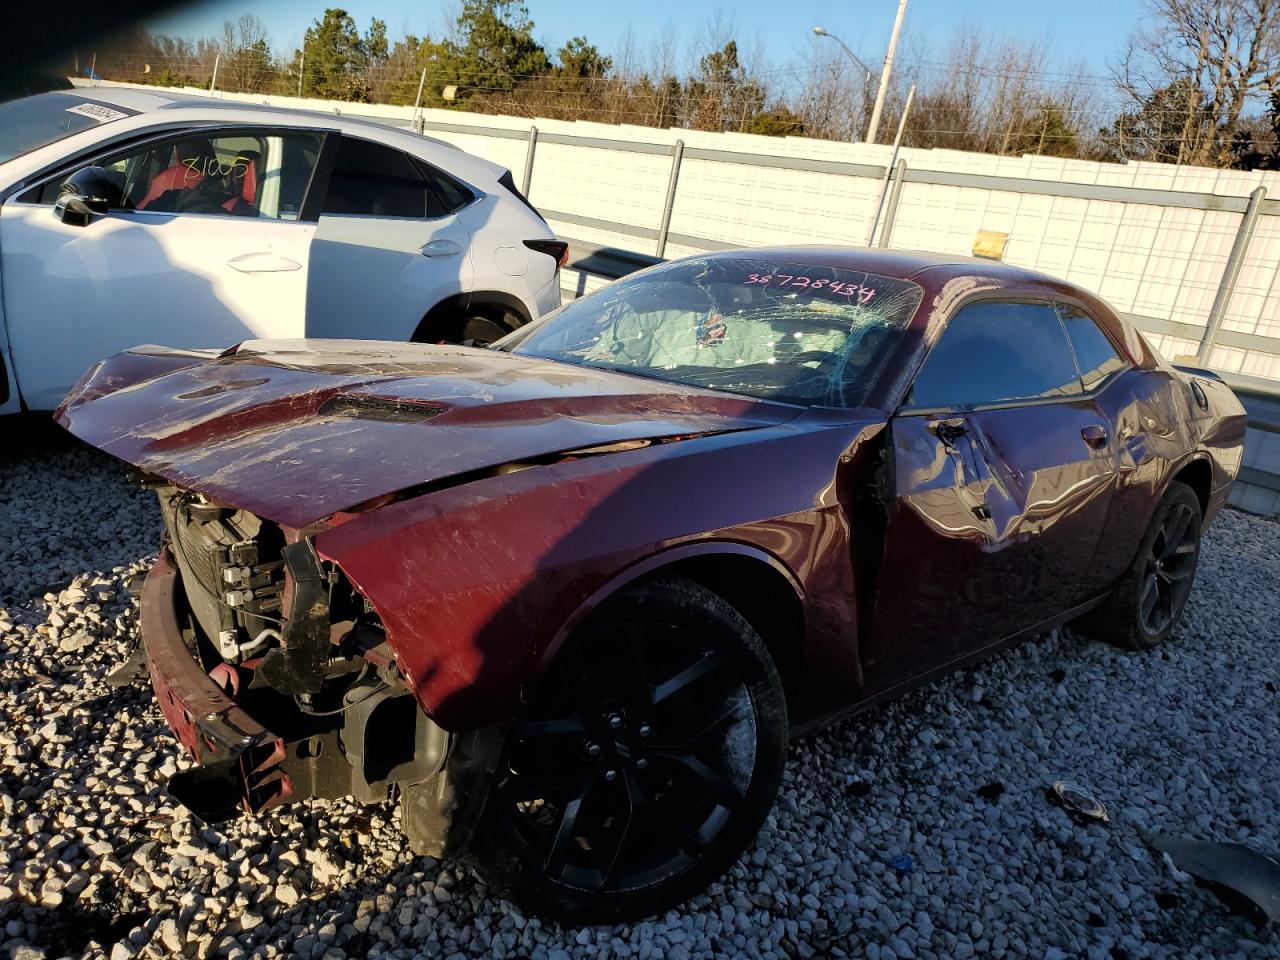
(132, 216)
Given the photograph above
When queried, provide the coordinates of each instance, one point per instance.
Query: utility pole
(874, 126)
(214, 79)
(417, 101)
(302, 66)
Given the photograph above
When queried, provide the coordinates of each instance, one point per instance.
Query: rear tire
(643, 764)
(1152, 595)
(474, 329)
(480, 331)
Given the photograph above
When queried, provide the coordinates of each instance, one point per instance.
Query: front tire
(643, 764)
(1152, 595)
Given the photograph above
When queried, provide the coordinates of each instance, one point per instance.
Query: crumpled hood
(297, 430)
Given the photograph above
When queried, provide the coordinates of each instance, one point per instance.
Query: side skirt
(982, 653)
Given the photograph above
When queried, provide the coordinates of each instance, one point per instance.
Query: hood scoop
(367, 406)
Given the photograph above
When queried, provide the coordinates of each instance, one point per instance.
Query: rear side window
(447, 194)
(372, 179)
(1095, 354)
(994, 352)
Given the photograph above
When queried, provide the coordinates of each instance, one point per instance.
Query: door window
(1096, 356)
(371, 179)
(992, 352)
(250, 174)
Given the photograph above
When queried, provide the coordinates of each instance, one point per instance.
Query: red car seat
(183, 174)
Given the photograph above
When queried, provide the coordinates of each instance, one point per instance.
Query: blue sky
(1087, 31)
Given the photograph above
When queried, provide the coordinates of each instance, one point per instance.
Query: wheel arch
(1197, 473)
(495, 304)
(755, 583)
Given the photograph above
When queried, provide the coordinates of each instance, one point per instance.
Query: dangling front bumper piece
(238, 760)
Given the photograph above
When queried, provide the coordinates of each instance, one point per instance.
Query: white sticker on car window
(99, 113)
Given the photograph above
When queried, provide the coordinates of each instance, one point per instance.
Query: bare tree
(835, 97)
(1217, 53)
(246, 55)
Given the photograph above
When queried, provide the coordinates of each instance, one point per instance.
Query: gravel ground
(97, 861)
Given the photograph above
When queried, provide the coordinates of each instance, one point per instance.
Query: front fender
(478, 584)
(653, 564)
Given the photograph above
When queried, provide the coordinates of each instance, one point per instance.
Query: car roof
(934, 270)
(902, 264)
(128, 98)
(149, 100)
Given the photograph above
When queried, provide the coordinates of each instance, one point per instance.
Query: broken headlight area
(275, 674)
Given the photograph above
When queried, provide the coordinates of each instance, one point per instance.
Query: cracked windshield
(798, 333)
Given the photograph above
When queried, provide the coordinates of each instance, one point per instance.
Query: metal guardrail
(1089, 191)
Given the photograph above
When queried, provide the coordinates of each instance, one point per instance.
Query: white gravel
(97, 861)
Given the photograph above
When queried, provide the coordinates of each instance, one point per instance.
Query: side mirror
(88, 191)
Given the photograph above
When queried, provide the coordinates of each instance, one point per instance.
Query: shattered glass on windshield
(800, 333)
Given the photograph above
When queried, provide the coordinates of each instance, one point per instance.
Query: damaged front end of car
(275, 675)
(340, 608)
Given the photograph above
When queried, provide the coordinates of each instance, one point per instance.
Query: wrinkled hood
(297, 430)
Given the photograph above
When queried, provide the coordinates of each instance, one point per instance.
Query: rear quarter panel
(1159, 431)
(1220, 431)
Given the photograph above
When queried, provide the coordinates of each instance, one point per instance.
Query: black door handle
(949, 431)
(1094, 435)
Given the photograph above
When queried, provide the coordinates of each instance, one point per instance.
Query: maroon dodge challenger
(566, 598)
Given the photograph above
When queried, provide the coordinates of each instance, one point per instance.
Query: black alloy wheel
(643, 765)
(1152, 594)
(1170, 567)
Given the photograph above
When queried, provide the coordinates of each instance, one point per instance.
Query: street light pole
(874, 126)
(822, 32)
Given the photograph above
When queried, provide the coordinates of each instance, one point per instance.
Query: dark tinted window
(994, 351)
(447, 194)
(1095, 354)
(375, 180)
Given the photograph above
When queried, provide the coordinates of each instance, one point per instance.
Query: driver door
(209, 246)
(1003, 474)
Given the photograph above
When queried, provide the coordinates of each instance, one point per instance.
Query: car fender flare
(650, 565)
(1171, 469)
(1199, 454)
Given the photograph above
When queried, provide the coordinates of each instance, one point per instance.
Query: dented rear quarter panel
(477, 585)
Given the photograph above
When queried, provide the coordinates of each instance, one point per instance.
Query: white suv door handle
(263, 263)
(441, 248)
